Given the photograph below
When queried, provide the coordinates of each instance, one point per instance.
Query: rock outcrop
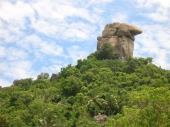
(100, 118)
(120, 36)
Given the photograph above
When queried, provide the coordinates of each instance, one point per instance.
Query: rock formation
(120, 36)
(100, 118)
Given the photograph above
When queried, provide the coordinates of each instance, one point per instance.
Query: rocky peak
(120, 36)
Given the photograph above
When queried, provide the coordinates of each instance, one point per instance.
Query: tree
(71, 86)
(47, 118)
(106, 52)
(69, 71)
(43, 76)
(23, 83)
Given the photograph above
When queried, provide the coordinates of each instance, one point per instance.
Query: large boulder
(120, 36)
(100, 118)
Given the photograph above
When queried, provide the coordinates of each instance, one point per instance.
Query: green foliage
(3, 122)
(23, 83)
(43, 76)
(132, 93)
(71, 86)
(106, 52)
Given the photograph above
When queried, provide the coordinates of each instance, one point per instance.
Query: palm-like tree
(112, 104)
(47, 119)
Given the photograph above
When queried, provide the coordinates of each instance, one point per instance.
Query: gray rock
(100, 118)
(120, 36)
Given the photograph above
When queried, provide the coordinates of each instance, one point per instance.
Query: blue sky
(44, 35)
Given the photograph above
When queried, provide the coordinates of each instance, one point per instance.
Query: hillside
(132, 92)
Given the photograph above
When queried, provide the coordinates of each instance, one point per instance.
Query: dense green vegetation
(132, 93)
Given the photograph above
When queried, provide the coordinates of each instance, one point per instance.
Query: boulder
(100, 118)
(120, 36)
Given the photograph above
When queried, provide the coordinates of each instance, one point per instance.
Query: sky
(45, 35)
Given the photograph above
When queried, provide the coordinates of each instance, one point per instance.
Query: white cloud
(45, 27)
(2, 52)
(6, 34)
(151, 3)
(15, 12)
(50, 18)
(91, 2)
(16, 69)
(160, 14)
(76, 53)
(34, 44)
(52, 69)
(80, 31)
(154, 42)
(12, 53)
(28, 41)
(51, 49)
(58, 11)
(15, 54)
(5, 83)
(162, 59)
(13, 19)
(158, 10)
(119, 17)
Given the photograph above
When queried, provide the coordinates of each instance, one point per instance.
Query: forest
(131, 92)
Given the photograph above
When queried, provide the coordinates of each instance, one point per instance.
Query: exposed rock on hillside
(100, 118)
(121, 36)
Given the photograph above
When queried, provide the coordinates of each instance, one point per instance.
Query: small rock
(100, 118)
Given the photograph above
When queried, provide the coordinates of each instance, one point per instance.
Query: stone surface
(54, 77)
(120, 36)
(100, 118)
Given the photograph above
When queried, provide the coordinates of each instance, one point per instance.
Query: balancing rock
(120, 36)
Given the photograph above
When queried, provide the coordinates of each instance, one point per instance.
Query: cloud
(15, 13)
(45, 27)
(51, 18)
(2, 52)
(16, 69)
(119, 17)
(58, 11)
(53, 69)
(81, 31)
(35, 45)
(51, 49)
(9, 33)
(12, 53)
(15, 54)
(76, 53)
(64, 19)
(5, 83)
(151, 3)
(154, 42)
(158, 11)
(162, 59)
(159, 15)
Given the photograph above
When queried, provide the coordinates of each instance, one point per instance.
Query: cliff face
(120, 36)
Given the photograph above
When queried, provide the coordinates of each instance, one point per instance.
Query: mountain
(130, 92)
(109, 88)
